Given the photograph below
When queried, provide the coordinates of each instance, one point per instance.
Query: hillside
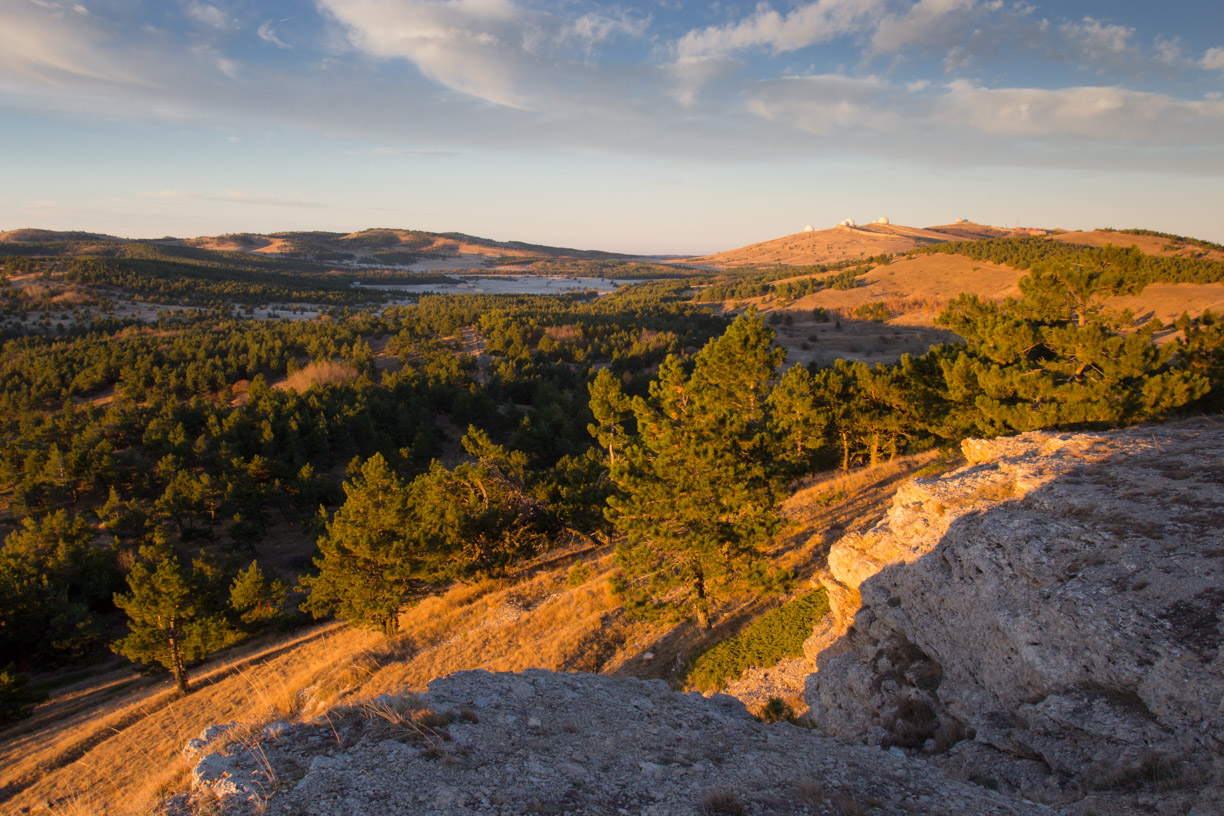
(1164, 246)
(843, 243)
(109, 744)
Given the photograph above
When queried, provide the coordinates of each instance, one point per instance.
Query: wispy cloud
(414, 152)
(1213, 60)
(267, 33)
(235, 197)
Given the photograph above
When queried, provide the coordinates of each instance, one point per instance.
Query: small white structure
(849, 222)
(962, 221)
(809, 228)
(881, 220)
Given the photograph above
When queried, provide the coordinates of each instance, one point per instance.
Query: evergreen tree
(697, 486)
(172, 620)
(1058, 357)
(257, 598)
(370, 564)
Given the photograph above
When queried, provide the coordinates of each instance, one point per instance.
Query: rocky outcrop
(541, 742)
(1045, 620)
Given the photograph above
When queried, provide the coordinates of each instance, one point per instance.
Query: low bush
(777, 634)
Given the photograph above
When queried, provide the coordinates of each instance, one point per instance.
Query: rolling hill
(844, 243)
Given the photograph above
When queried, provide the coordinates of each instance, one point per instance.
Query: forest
(169, 487)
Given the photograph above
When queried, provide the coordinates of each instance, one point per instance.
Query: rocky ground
(543, 742)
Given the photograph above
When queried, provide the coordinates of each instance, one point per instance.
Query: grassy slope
(110, 745)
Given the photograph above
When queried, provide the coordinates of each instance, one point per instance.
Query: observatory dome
(849, 222)
(881, 220)
(809, 228)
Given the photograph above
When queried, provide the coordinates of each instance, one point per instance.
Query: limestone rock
(543, 742)
(1059, 599)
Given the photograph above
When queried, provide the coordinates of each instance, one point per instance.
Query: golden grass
(123, 755)
(317, 373)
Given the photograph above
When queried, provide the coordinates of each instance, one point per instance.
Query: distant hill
(845, 243)
(398, 247)
(422, 251)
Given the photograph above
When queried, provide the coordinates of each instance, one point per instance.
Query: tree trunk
(845, 437)
(702, 607)
(176, 662)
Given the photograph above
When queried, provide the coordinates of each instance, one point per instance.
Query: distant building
(881, 220)
(849, 222)
(809, 228)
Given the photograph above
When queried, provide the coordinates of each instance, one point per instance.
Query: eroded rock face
(1059, 600)
(544, 742)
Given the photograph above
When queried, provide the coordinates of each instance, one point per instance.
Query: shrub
(777, 634)
(722, 803)
(579, 574)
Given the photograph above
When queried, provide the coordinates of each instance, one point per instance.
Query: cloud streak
(235, 197)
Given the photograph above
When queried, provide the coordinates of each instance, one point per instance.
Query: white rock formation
(1059, 600)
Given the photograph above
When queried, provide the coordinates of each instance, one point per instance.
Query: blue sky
(663, 127)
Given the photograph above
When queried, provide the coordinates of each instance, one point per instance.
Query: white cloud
(476, 47)
(267, 33)
(1168, 51)
(38, 43)
(932, 24)
(1096, 42)
(494, 50)
(809, 24)
(207, 15)
(1108, 114)
(1213, 59)
(828, 103)
(594, 28)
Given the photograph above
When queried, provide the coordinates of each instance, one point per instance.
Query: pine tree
(697, 486)
(171, 620)
(255, 597)
(1058, 357)
(370, 566)
(610, 408)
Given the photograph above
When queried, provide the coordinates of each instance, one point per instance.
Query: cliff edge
(1045, 621)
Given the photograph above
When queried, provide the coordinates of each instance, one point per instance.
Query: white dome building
(881, 220)
(809, 228)
(849, 222)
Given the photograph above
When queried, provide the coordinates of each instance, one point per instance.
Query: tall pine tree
(696, 488)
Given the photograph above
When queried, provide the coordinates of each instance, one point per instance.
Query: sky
(665, 127)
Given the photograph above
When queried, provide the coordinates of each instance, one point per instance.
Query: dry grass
(825, 246)
(317, 373)
(124, 754)
(826, 507)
